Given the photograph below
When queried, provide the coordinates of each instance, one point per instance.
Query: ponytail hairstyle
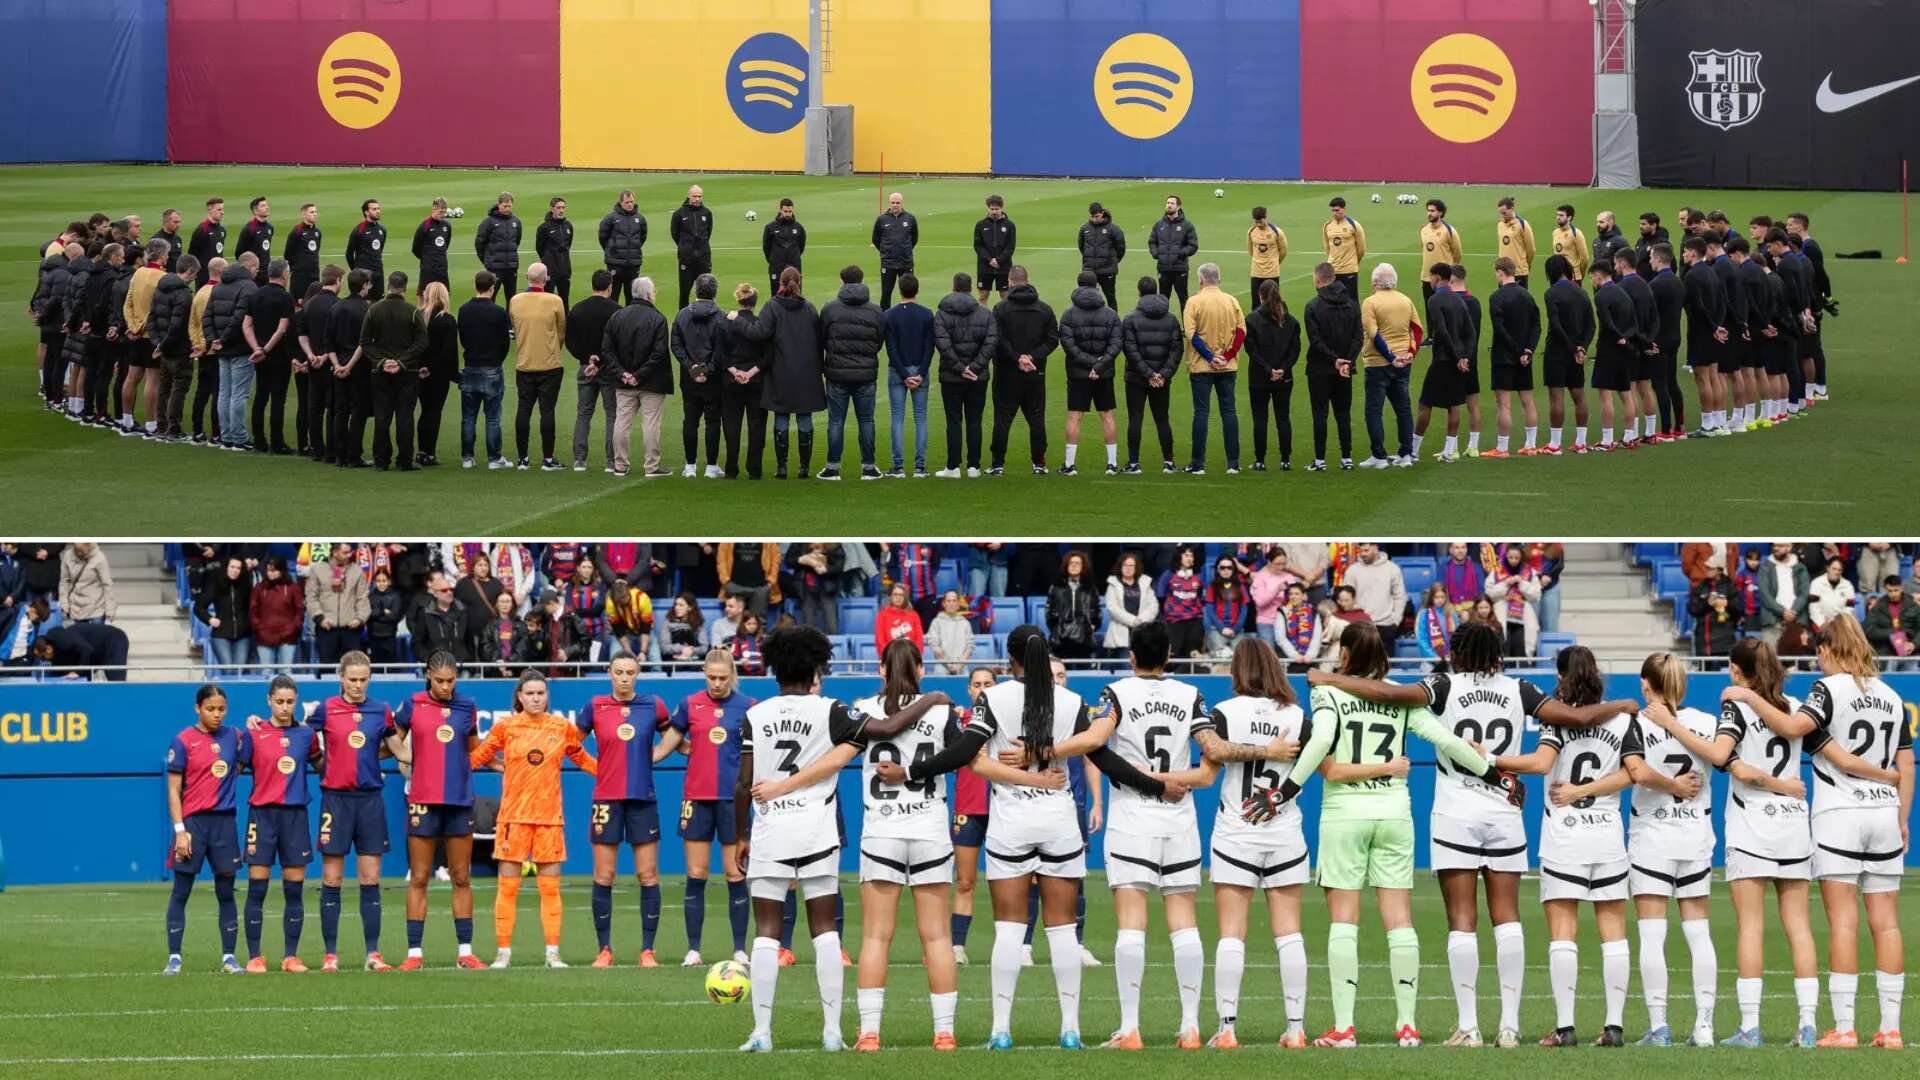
(1271, 305)
(206, 691)
(900, 671)
(1362, 653)
(1846, 645)
(1580, 681)
(1760, 666)
(1257, 672)
(1665, 677)
(1029, 643)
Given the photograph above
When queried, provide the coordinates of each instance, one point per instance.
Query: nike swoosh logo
(1830, 101)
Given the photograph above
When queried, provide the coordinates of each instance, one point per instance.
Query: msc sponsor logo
(1463, 88)
(1725, 89)
(359, 80)
(46, 727)
(1143, 86)
(767, 83)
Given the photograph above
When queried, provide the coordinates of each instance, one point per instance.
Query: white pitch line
(1794, 502)
(1495, 494)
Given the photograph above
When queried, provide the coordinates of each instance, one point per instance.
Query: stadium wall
(1777, 94)
(83, 792)
(112, 106)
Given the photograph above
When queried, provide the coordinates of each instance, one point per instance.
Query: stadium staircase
(1607, 605)
(149, 611)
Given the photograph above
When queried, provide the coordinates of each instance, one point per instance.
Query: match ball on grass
(1219, 193)
(727, 983)
(753, 215)
(457, 212)
(1376, 196)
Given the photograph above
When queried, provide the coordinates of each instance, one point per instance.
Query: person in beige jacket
(539, 322)
(86, 585)
(337, 603)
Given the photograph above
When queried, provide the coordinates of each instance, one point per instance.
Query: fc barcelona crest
(1725, 90)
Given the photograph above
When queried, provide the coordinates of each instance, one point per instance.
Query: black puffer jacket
(852, 331)
(1090, 335)
(50, 299)
(1102, 247)
(697, 343)
(791, 329)
(965, 336)
(117, 300)
(623, 233)
(226, 310)
(692, 230)
(172, 306)
(553, 245)
(79, 274)
(229, 600)
(497, 242)
(894, 237)
(1172, 242)
(1025, 326)
(1150, 336)
(636, 344)
(97, 300)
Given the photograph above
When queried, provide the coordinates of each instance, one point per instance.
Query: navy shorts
(216, 844)
(278, 834)
(353, 820)
(626, 821)
(969, 830)
(706, 820)
(434, 820)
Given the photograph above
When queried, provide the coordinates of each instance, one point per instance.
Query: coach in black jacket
(1172, 242)
(994, 239)
(1102, 245)
(635, 349)
(1332, 323)
(965, 336)
(692, 230)
(1090, 340)
(553, 245)
(497, 242)
(430, 242)
(852, 333)
(623, 239)
(783, 242)
(895, 235)
(209, 239)
(1150, 338)
(697, 344)
(302, 253)
(1027, 334)
(367, 243)
(353, 390)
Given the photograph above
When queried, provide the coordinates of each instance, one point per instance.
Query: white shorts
(1591, 882)
(1250, 862)
(1860, 846)
(1742, 864)
(810, 888)
(1059, 856)
(1682, 879)
(906, 862)
(1488, 844)
(1170, 864)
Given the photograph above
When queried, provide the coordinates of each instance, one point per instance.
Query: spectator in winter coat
(1090, 337)
(815, 571)
(1515, 591)
(1150, 337)
(790, 328)
(1461, 576)
(1830, 593)
(1434, 623)
(1102, 245)
(1379, 590)
(1130, 602)
(852, 332)
(497, 243)
(440, 623)
(1172, 241)
(277, 608)
(225, 605)
(1298, 631)
(635, 348)
(1783, 583)
(1716, 624)
(967, 337)
(337, 604)
(1268, 587)
(1026, 334)
(910, 341)
(895, 235)
(697, 343)
(950, 635)
(386, 608)
(86, 585)
(692, 231)
(897, 619)
(623, 238)
(1893, 620)
(1073, 609)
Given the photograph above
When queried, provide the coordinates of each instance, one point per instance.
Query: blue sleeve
(1380, 346)
(678, 720)
(1212, 618)
(1200, 347)
(177, 755)
(403, 719)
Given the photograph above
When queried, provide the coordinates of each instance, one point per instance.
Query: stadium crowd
(132, 328)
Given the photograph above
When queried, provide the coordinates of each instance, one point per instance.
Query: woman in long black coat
(795, 387)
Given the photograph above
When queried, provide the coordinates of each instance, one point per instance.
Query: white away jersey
(1491, 710)
(1760, 822)
(1664, 826)
(1869, 720)
(1587, 831)
(787, 733)
(917, 809)
(1028, 811)
(1155, 722)
(1255, 721)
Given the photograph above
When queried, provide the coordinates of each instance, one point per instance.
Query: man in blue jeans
(484, 328)
(1214, 328)
(1390, 330)
(909, 362)
(852, 329)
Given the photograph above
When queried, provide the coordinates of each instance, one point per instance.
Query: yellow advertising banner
(722, 84)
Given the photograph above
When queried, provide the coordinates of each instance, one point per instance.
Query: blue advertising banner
(1209, 88)
(83, 792)
(88, 81)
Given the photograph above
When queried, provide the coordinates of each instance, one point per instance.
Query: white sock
(1417, 439)
(1189, 972)
(1606, 436)
(944, 1006)
(1891, 985)
(827, 971)
(126, 419)
(1533, 434)
(1463, 964)
(1706, 971)
(1747, 993)
(1129, 969)
(1473, 441)
(1063, 948)
(1649, 425)
(1510, 960)
(1840, 990)
(1553, 437)
(1615, 971)
(766, 973)
(1630, 433)
(1229, 963)
(1579, 434)
(1563, 971)
(871, 1004)
(1006, 970)
(465, 950)
(1653, 970)
(1073, 451)
(415, 953)
(553, 952)
(1453, 445)
(1500, 443)
(1113, 453)
(1293, 978)
(1806, 995)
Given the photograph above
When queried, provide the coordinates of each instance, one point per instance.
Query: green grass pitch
(80, 995)
(86, 480)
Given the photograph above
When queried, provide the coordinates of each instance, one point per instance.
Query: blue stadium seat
(1000, 645)
(986, 647)
(856, 615)
(1418, 572)
(710, 609)
(1551, 642)
(1649, 554)
(1671, 582)
(842, 645)
(1037, 610)
(948, 577)
(865, 649)
(1008, 612)
(1406, 646)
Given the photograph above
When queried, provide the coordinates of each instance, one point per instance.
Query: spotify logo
(1143, 86)
(359, 80)
(1463, 88)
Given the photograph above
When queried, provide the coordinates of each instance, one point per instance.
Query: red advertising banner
(364, 82)
(1451, 91)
